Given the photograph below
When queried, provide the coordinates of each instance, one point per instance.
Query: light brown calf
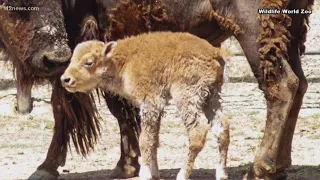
(149, 70)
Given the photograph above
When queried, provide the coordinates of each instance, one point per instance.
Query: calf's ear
(109, 48)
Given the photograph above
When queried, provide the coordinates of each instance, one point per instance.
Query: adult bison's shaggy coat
(149, 70)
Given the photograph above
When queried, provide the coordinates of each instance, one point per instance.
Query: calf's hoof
(43, 175)
(128, 171)
(181, 175)
(221, 173)
(145, 174)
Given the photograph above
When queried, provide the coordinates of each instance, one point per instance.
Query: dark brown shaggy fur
(75, 115)
(149, 16)
(25, 33)
(119, 18)
(80, 116)
(274, 38)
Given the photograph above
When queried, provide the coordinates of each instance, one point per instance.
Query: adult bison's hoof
(43, 175)
(127, 171)
(276, 176)
(266, 170)
(281, 175)
(263, 166)
(24, 104)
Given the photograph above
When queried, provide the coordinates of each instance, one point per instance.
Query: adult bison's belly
(195, 17)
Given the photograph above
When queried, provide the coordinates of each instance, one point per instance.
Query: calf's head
(91, 62)
(33, 32)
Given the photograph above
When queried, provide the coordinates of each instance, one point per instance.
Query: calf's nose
(67, 81)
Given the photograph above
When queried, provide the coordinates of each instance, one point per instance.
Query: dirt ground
(25, 138)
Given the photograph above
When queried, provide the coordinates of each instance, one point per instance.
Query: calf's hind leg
(197, 132)
(197, 124)
(221, 130)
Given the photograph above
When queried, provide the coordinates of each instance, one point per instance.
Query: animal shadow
(297, 172)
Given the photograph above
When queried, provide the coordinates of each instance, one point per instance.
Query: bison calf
(149, 70)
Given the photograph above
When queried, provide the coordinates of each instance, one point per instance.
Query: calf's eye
(88, 64)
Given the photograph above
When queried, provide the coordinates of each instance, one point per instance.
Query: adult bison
(272, 43)
(274, 59)
(37, 44)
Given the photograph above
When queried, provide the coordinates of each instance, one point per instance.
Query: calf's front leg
(149, 141)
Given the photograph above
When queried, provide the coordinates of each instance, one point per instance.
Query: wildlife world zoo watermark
(284, 11)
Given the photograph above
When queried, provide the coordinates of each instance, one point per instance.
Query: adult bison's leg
(129, 123)
(57, 152)
(284, 155)
(24, 85)
(76, 118)
(276, 78)
(279, 96)
(56, 157)
(298, 31)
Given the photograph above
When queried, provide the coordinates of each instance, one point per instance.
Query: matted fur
(145, 13)
(150, 16)
(26, 33)
(274, 38)
(226, 23)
